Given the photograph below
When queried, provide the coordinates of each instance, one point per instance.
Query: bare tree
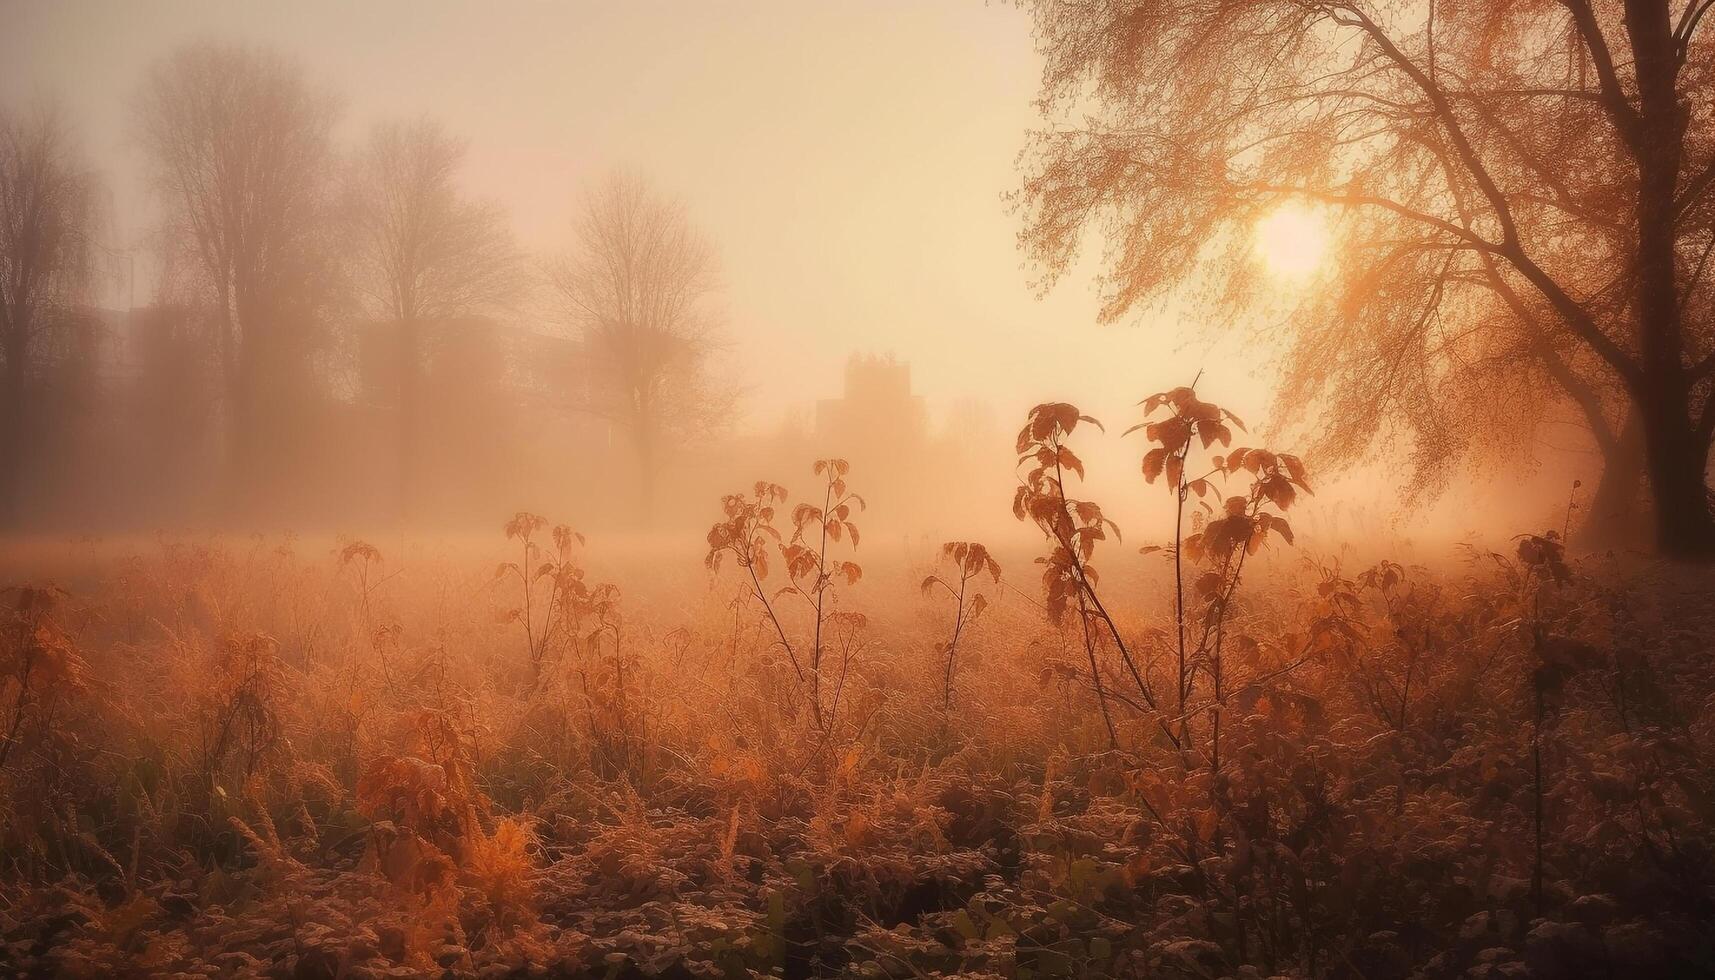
(425, 254)
(47, 210)
(638, 283)
(1524, 195)
(240, 146)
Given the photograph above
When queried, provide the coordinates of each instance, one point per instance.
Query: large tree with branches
(239, 142)
(47, 214)
(425, 254)
(1523, 193)
(639, 283)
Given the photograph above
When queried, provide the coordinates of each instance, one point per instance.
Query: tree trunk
(240, 436)
(1678, 467)
(646, 449)
(409, 409)
(254, 392)
(1618, 513)
(1678, 454)
(234, 413)
(14, 440)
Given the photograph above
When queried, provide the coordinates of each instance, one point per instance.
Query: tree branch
(1626, 118)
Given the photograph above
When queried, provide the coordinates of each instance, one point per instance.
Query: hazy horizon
(591, 490)
(849, 164)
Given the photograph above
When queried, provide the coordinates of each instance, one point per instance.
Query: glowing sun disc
(1292, 242)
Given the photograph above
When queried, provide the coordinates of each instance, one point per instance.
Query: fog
(849, 170)
(901, 489)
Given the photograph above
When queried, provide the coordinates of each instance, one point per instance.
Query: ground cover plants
(1230, 753)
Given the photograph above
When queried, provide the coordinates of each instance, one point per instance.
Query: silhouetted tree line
(330, 333)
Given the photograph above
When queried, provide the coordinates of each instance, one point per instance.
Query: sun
(1292, 242)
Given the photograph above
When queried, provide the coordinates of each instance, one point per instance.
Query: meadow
(586, 430)
(274, 757)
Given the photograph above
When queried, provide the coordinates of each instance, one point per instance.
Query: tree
(47, 210)
(638, 283)
(425, 255)
(1523, 192)
(240, 147)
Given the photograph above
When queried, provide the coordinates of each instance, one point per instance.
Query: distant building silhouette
(881, 427)
(878, 413)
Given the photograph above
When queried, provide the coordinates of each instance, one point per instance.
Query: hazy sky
(848, 160)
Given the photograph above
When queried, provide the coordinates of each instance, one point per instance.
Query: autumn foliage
(1242, 752)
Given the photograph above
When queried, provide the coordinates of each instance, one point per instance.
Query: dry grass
(250, 759)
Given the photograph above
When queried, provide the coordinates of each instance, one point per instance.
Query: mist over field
(1037, 489)
(848, 209)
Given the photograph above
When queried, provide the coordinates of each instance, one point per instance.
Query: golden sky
(848, 160)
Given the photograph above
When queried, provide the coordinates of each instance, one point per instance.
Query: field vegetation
(1234, 754)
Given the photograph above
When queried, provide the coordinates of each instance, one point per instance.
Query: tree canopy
(1521, 195)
